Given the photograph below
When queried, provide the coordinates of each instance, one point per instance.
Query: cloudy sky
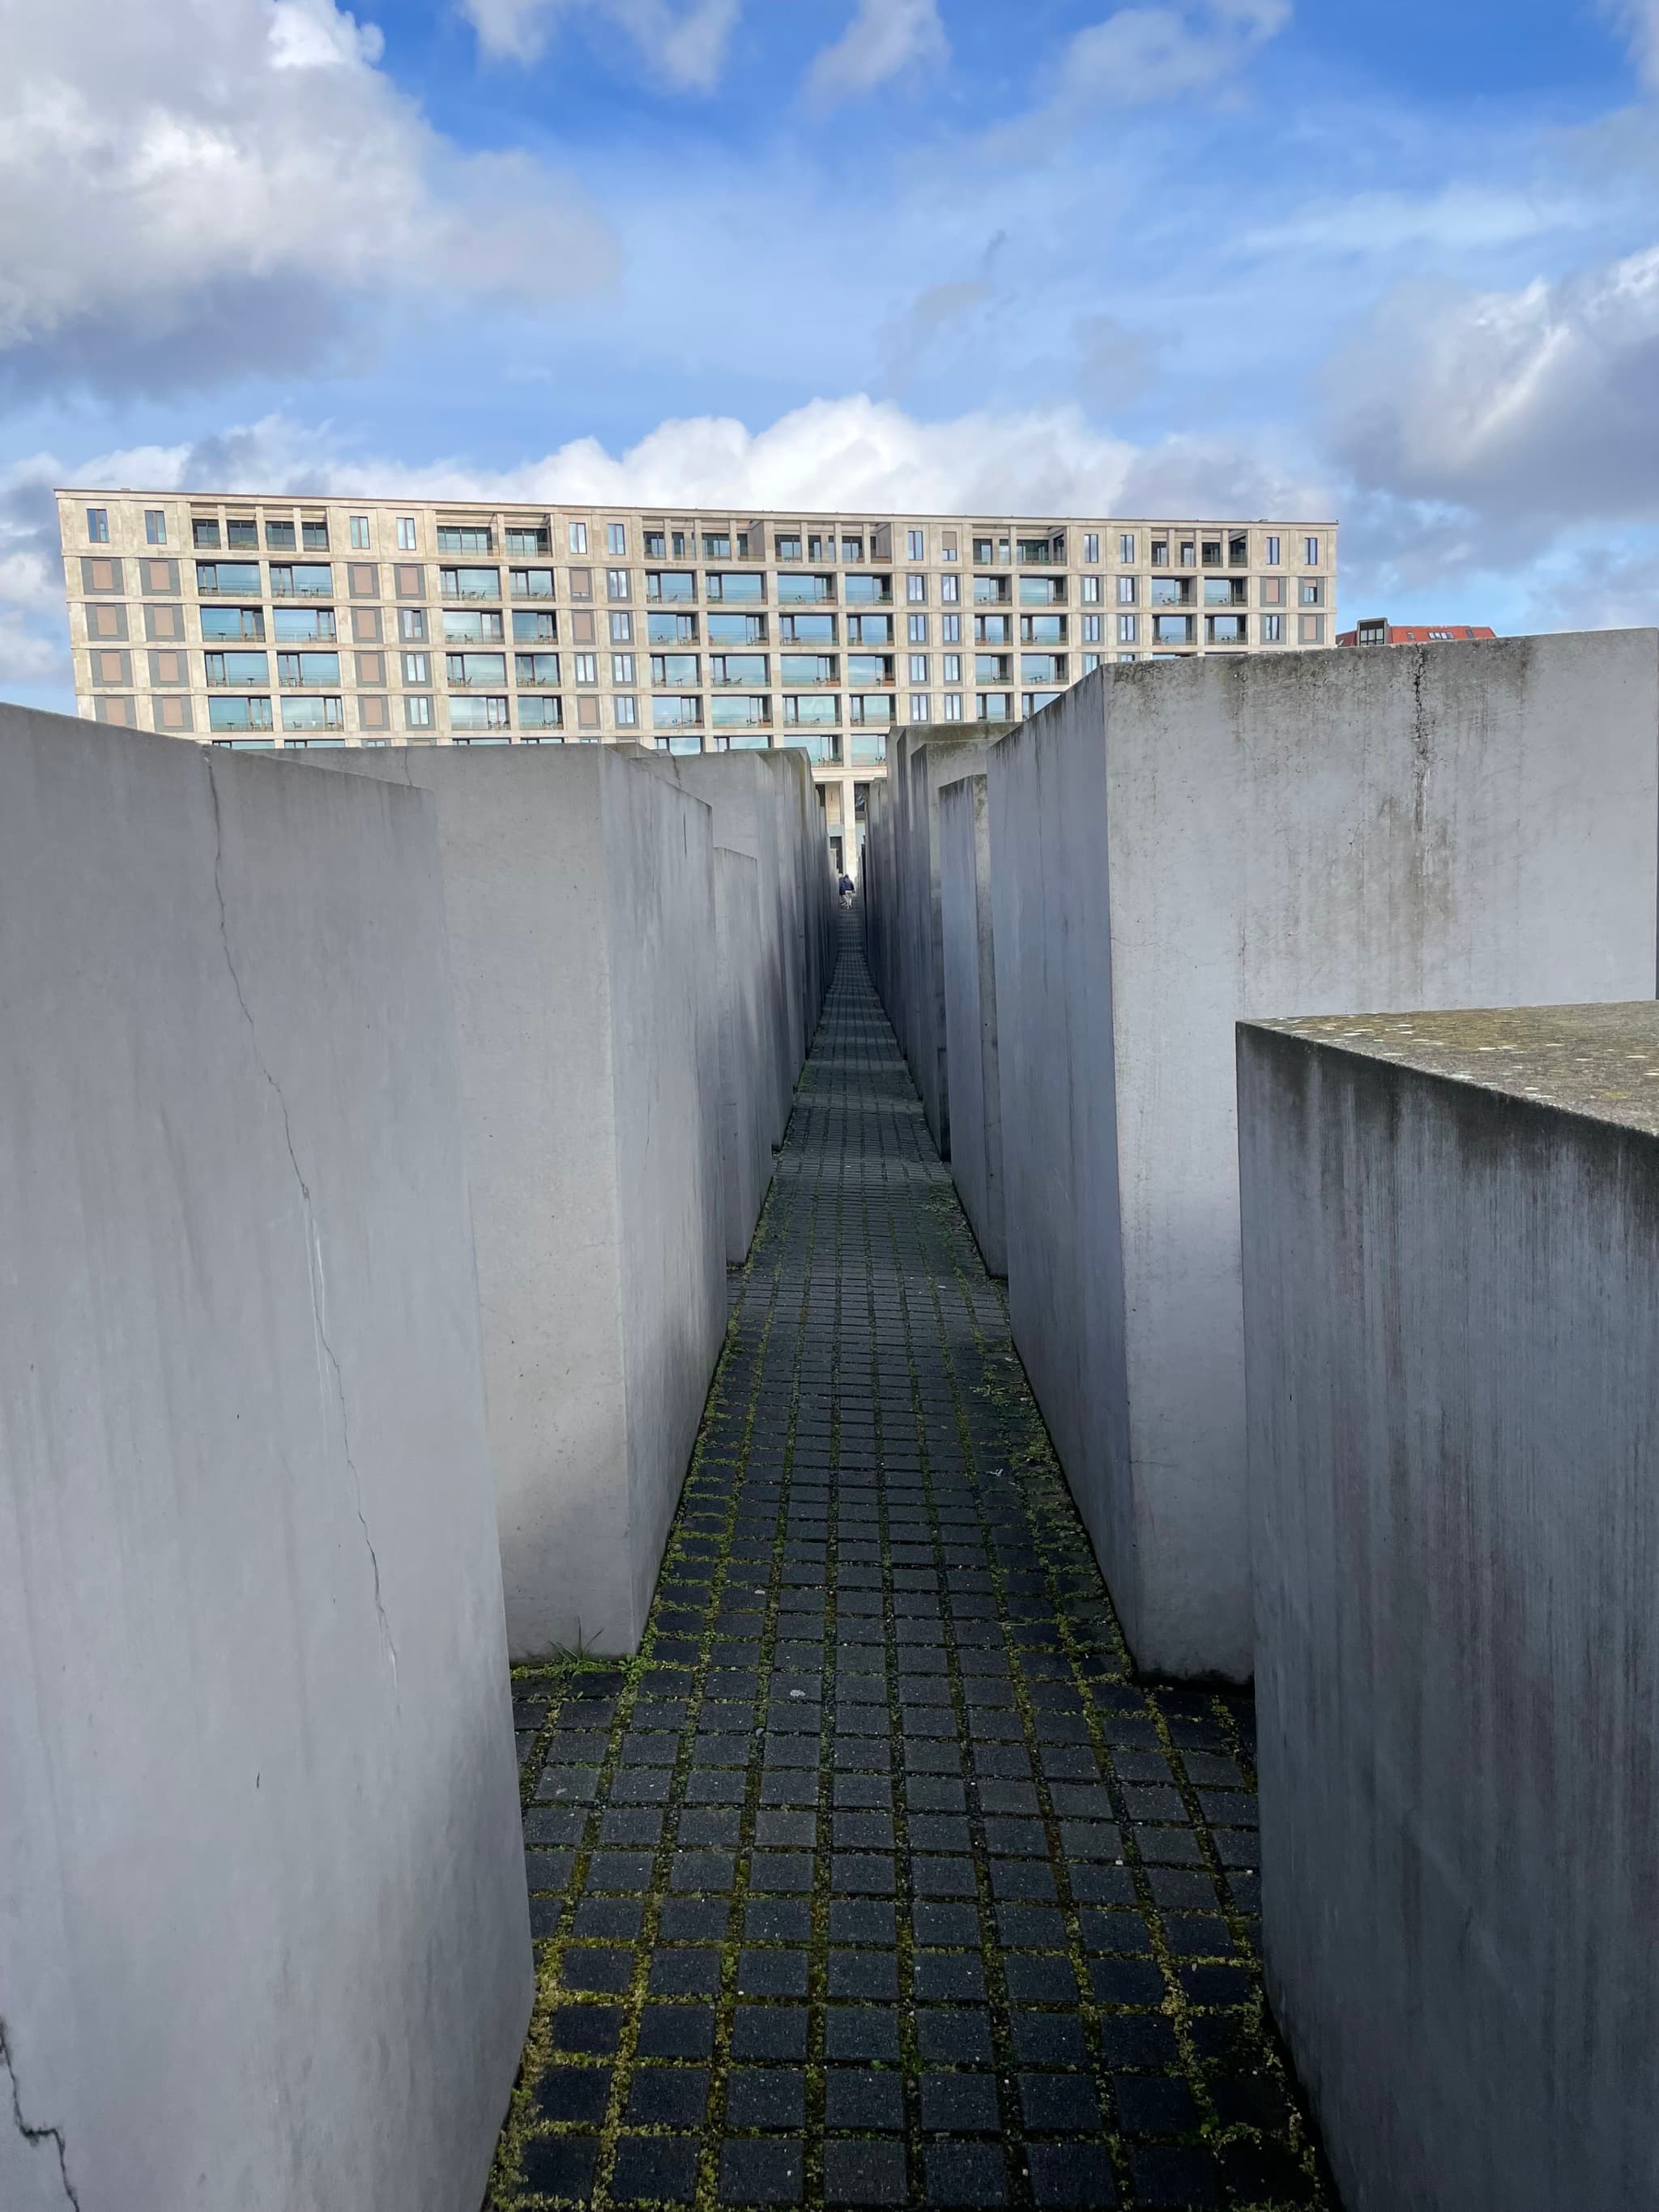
(1388, 261)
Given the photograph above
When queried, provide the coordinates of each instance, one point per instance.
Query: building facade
(1377, 629)
(288, 621)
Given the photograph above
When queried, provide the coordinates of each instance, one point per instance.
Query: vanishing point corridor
(876, 1880)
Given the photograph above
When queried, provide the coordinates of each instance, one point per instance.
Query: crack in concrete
(314, 1254)
(36, 2135)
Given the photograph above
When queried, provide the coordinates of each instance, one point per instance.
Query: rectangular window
(155, 527)
(417, 668)
(1090, 662)
(312, 714)
(625, 708)
(1125, 546)
(417, 712)
(233, 622)
(953, 706)
(204, 533)
(950, 589)
(578, 538)
(915, 545)
(411, 622)
(530, 583)
(1225, 630)
(470, 583)
(1273, 552)
(728, 585)
(953, 668)
(302, 625)
(615, 538)
(1092, 545)
(622, 668)
(1126, 591)
(616, 585)
(242, 531)
(307, 672)
(239, 576)
(1273, 629)
(1311, 591)
(236, 670)
(475, 671)
(1125, 630)
(536, 671)
(918, 668)
(239, 713)
(916, 589)
(588, 667)
(478, 714)
(716, 545)
(305, 579)
(464, 538)
(1310, 552)
(313, 535)
(1091, 629)
(406, 540)
(788, 547)
(360, 533)
(950, 628)
(98, 525)
(280, 538)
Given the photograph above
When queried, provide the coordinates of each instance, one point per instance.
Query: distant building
(1380, 631)
(250, 622)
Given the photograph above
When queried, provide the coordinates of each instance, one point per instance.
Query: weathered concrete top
(1599, 1061)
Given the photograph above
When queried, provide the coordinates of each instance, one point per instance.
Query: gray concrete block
(1178, 846)
(970, 1013)
(1451, 1297)
(263, 1929)
(746, 1138)
(581, 904)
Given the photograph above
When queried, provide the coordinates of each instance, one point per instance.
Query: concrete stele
(1177, 847)
(1451, 1278)
(263, 1930)
(970, 1013)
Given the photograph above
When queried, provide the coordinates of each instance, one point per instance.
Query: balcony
(301, 580)
(679, 585)
(823, 747)
(793, 589)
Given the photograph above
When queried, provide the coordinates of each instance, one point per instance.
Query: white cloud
(1149, 53)
(1639, 21)
(1528, 408)
(884, 38)
(682, 42)
(195, 185)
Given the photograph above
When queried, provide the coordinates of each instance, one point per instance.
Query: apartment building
(292, 622)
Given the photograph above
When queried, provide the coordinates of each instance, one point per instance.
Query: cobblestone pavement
(875, 1880)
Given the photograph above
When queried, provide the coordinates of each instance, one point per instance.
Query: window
(534, 626)
(915, 548)
(622, 668)
(530, 583)
(1272, 554)
(953, 706)
(464, 538)
(1092, 545)
(479, 714)
(788, 547)
(475, 671)
(417, 668)
(541, 713)
(360, 533)
(617, 586)
(1311, 591)
(1172, 629)
(916, 627)
(417, 712)
(406, 533)
(676, 713)
(578, 537)
(950, 628)
(231, 671)
(1125, 630)
(303, 580)
(615, 538)
(233, 622)
(470, 583)
(1091, 629)
(230, 576)
(242, 531)
(313, 535)
(994, 706)
(1132, 656)
(239, 713)
(587, 668)
(950, 589)
(1225, 630)
(281, 537)
(98, 525)
(1189, 553)
(626, 709)
(953, 668)
(916, 589)
(411, 621)
(918, 668)
(312, 714)
(1212, 552)
(670, 584)
(307, 672)
(528, 537)
(469, 625)
(1090, 662)
(204, 534)
(1310, 552)
(155, 527)
(536, 671)
(1126, 591)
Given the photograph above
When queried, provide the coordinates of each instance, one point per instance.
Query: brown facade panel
(366, 625)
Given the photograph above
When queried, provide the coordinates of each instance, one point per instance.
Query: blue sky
(1396, 263)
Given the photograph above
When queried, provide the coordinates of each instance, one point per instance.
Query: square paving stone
(766, 2097)
(586, 2027)
(561, 2165)
(864, 2031)
(768, 2032)
(966, 2173)
(1059, 2104)
(772, 1974)
(857, 2097)
(1070, 2174)
(860, 1920)
(762, 2172)
(573, 2093)
(864, 2173)
(1173, 2176)
(958, 2037)
(655, 2168)
(668, 2096)
(960, 2104)
(671, 2031)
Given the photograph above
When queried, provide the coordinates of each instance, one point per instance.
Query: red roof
(1425, 633)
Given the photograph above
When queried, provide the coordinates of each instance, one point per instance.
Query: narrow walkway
(875, 1881)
